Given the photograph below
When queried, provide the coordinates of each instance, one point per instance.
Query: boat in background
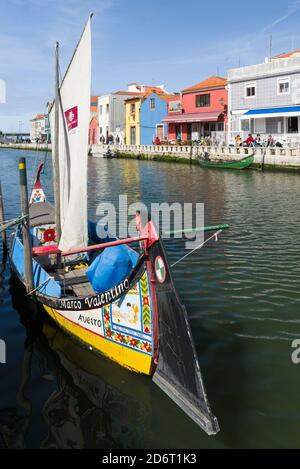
(105, 153)
(226, 164)
(116, 296)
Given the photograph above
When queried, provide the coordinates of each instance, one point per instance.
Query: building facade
(111, 113)
(265, 99)
(132, 120)
(93, 126)
(144, 115)
(200, 111)
(40, 128)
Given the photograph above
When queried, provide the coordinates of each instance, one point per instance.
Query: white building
(111, 112)
(40, 128)
(265, 99)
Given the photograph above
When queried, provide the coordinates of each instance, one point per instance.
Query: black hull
(178, 372)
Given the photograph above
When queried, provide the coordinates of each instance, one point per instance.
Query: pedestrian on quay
(270, 141)
(249, 141)
(238, 141)
(257, 141)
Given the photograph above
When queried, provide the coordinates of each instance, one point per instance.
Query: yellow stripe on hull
(124, 356)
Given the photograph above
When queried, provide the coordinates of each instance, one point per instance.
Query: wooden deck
(75, 281)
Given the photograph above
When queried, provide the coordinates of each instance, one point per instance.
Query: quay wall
(276, 158)
(27, 146)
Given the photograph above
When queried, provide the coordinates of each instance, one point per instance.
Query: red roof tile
(37, 117)
(129, 93)
(286, 55)
(211, 82)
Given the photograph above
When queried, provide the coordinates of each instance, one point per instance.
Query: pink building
(93, 128)
(93, 131)
(200, 111)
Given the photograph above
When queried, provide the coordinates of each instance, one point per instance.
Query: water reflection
(75, 398)
(242, 297)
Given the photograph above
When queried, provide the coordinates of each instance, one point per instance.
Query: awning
(273, 112)
(193, 117)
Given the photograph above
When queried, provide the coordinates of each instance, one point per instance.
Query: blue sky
(172, 42)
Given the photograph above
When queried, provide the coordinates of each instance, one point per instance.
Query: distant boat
(227, 164)
(97, 152)
(116, 300)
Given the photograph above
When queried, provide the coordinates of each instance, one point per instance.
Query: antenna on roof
(293, 43)
(271, 44)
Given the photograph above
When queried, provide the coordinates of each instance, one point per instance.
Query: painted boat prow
(178, 372)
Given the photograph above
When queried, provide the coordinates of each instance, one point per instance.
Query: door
(132, 135)
(160, 132)
(178, 132)
(189, 132)
(293, 125)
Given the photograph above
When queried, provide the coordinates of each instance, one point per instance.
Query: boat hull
(120, 323)
(94, 339)
(240, 164)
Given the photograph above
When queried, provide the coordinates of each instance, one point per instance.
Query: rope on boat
(215, 235)
(40, 286)
(5, 225)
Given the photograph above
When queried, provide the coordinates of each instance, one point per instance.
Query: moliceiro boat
(116, 296)
(227, 164)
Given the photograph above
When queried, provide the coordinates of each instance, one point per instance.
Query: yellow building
(132, 120)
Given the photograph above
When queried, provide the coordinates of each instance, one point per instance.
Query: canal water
(243, 301)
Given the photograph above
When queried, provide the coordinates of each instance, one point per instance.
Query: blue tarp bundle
(111, 267)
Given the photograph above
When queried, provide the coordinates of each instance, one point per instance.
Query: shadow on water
(227, 391)
(68, 397)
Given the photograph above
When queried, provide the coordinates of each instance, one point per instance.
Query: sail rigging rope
(215, 235)
(5, 225)
(40, 286)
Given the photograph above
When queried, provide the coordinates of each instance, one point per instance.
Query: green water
(242, 297)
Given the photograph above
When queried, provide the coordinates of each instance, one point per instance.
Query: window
(260, 126)
(107, 108)
(283, 86)
(100, 109)
(250, 90)
(203, 100)
(274, 125)
(245, 125)
(132, 108)
(152, 103)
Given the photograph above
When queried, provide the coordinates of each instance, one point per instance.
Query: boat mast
(56, 175)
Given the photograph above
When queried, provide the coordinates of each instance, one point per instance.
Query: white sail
(74, 117)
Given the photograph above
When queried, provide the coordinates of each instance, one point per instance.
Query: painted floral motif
(112, 315)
